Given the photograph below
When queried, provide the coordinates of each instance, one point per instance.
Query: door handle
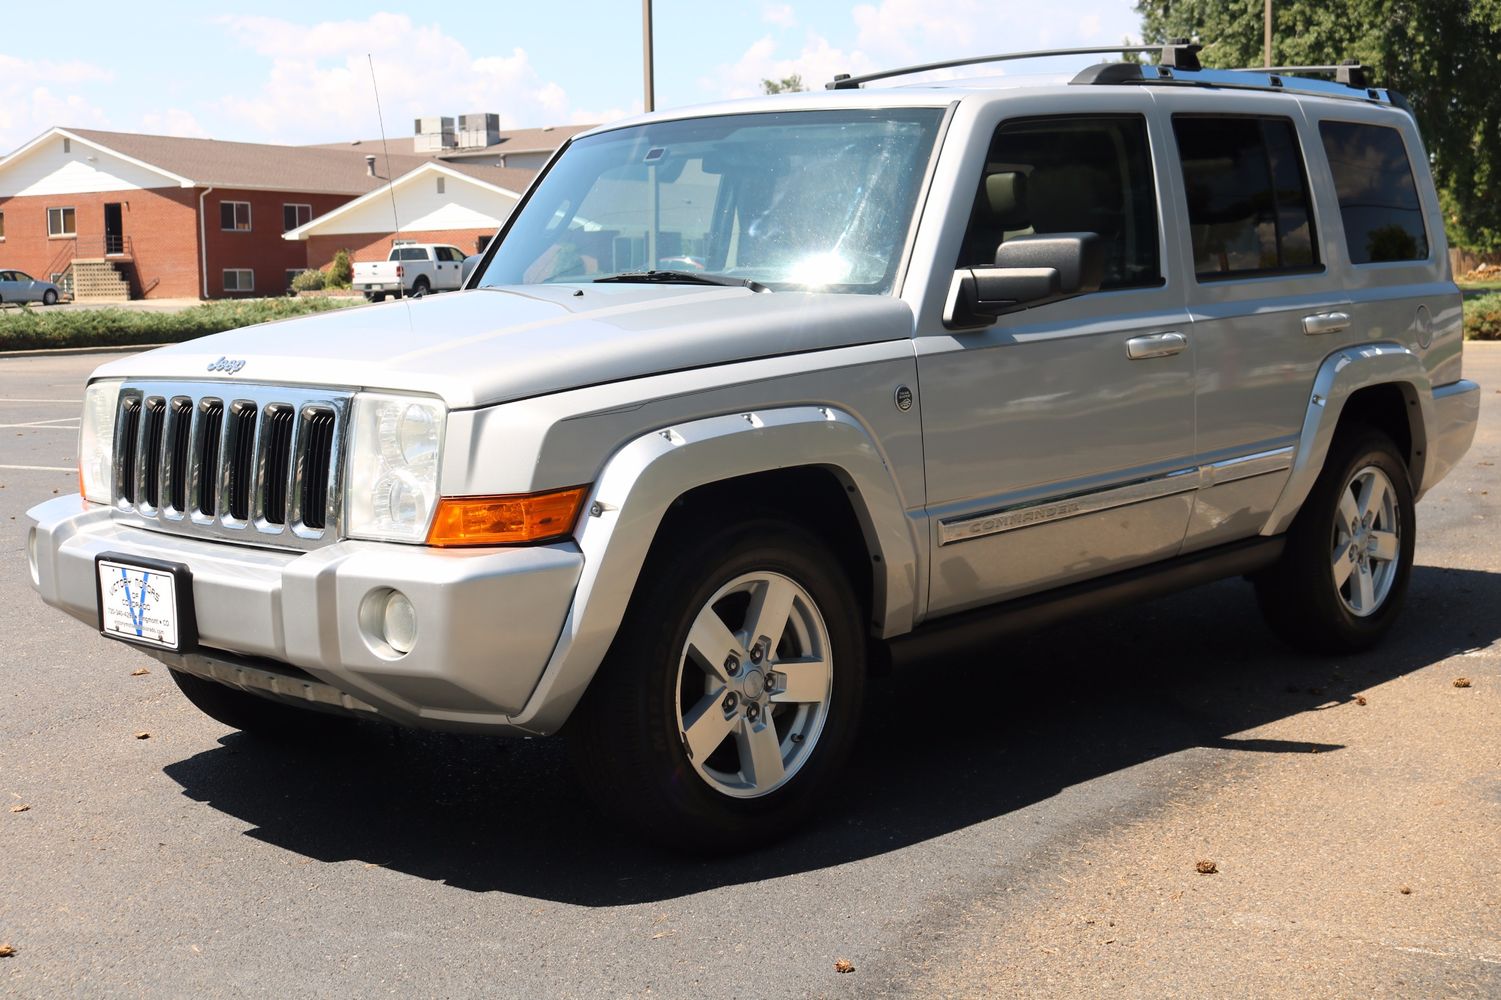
(1155, 345)
(1326, 323)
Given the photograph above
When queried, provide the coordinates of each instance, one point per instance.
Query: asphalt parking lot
(1026, 822)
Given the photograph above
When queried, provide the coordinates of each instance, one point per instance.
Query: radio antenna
(381, 118)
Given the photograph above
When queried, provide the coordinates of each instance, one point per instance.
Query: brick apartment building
(144, 216)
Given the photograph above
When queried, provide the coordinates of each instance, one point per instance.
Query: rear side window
(1071, 175)
(1248, 206)
(1378, 199)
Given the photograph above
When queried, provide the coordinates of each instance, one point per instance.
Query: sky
(298, 73)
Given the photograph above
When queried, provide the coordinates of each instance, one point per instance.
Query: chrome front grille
(257, 464)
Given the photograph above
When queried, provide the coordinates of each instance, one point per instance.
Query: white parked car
(412, 269)
(18, 286)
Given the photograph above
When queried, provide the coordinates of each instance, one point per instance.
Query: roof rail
(1351, 74)
(1177, 53)
(1349, 83)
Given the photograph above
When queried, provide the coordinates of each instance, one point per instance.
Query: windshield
(807, 200)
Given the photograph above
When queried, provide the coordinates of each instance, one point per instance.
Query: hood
(491, 345)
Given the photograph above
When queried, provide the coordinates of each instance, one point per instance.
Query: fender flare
(1342, 374)
(640, 482)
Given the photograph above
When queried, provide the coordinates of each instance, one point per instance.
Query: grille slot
(252, 463)
(211, 431)
(180, 444)
(242, 419)
(151, 450)
(317, 457)
(125, 461)
(280, 420)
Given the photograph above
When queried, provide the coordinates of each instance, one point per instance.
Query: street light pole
(1266, 36)
(646, 52)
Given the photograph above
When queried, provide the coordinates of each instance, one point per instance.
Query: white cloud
(817, 63)
(779, 14)
(174, 121)
(319, 79)
(36, 94)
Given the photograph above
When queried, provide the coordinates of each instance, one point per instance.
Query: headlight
(392, 470)
(96, 440)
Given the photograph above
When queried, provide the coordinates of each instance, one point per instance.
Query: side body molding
(642, 480)
(1342, 374)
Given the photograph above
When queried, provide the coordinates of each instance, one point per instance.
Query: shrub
(340, 272)
(1483, 318)
(28, 329)
(310, 280)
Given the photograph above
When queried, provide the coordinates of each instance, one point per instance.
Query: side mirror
(1028, 271)
(470, 263)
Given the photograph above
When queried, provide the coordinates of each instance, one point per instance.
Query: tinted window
(1248, 208)
(1070, 175)
(1378, 200)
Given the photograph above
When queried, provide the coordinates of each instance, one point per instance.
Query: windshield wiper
(684, 278)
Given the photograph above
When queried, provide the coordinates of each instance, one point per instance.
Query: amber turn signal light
(507, 520)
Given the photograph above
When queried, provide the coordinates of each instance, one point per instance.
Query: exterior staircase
(99, 281)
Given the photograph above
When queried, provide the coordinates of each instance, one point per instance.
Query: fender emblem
(228, 366)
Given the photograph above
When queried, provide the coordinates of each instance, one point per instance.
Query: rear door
(1267, 307)
(1051, 454)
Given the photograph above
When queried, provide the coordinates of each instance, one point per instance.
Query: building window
(2, 225)
(440, 184)
(1248, 206)
(239, 279)
(60, 222)
(67, 145)
(234, 216)
(293, 216)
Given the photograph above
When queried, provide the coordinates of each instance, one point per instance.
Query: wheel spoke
(803, 681)
(1372, 497)
(706, 727)
(1343, 564)
(760, 753)
(1365, 588)
(714, 642)
(770, 607)
(1349, 512)
(1383, 545)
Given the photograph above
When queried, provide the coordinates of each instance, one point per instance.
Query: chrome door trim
(1027, 515)
(1320, 323)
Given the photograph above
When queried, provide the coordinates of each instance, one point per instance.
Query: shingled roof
(204, 162)
(521, 140)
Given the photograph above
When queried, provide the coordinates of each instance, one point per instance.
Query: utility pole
(1266, 36)
(646, 51)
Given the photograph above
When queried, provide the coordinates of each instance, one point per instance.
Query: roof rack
(1177, 53)
(1349, 83)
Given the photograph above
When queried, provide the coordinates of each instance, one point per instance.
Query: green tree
(786, 85)
(1444, 56)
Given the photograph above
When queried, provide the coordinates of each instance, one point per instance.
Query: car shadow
(946, 745)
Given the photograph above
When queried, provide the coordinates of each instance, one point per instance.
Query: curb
(59, 352)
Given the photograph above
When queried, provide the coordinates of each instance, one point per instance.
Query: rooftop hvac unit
(477, 131)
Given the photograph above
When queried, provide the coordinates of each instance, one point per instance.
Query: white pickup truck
(412, 269)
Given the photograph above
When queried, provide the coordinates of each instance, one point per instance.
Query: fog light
(36, 573)
(399, 622)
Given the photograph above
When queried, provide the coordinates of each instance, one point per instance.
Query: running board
(968, 629)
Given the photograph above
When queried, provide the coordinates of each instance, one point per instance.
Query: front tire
(49, 298)
(731, 697)
(1343, 575)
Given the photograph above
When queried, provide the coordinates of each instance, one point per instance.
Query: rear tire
(420, 288)
(375, 296)
(253, 714)
(747, 645)
(1342, 578)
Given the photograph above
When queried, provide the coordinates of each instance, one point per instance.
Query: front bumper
(1456, 412)
(488, 619)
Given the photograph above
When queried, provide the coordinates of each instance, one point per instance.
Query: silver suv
(750, 400)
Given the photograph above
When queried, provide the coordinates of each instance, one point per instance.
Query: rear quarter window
(1248, 207)
(1378, 198)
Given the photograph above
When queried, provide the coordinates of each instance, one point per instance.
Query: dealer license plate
(139, 604)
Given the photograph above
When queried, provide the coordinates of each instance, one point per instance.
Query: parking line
(43, 427)
(19, 399)
(41, 468)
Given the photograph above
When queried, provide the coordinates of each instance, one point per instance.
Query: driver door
(1059, 440)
